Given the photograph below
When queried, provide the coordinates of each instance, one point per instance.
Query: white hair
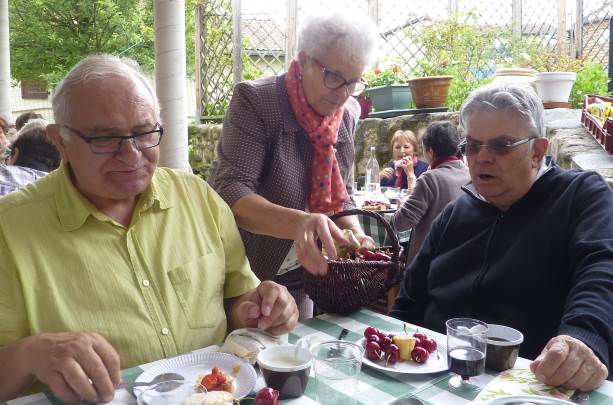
(96, 68)
(520, 99)
(355, 37)
(36, 123)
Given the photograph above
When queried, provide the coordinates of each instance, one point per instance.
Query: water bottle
(373, 186)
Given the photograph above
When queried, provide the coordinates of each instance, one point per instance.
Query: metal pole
(290, 46)
(198, 71)
(579, 29)
(610, 55)
(5, 62)
(516, 17)
(237, 46)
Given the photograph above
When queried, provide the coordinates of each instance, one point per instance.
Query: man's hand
(312, 227)
(568, 362)
(269, 307)
(386, 173)
(67, 361)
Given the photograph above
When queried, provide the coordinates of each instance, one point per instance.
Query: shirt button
(165, 331)
(146, 283)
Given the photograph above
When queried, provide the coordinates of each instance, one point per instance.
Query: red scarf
(328, 191)
(442, 160)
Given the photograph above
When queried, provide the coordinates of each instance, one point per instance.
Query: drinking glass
(337, 366)
(466, 349)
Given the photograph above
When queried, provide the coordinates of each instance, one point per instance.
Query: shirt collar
(74, 209)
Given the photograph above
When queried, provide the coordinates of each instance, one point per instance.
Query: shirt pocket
(199, 287)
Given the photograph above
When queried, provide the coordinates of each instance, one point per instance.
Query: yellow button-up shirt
(153, 290)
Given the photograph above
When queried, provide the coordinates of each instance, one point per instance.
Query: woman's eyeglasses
(497, 146)
(334, 81)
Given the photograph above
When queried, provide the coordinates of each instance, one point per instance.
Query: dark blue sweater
(544, 267)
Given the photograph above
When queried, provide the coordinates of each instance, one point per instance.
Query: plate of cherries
(415, 353)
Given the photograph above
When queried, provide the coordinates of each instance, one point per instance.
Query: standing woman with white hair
(286, 153)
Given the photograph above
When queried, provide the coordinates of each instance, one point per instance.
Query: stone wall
(568, 140)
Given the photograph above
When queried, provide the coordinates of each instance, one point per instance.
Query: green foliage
(460, 89)
(591, 79)
(386, 75)
(532, 53)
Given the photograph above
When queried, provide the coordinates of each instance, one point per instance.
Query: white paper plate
(527, 400)
(192, 365)
(433, 365)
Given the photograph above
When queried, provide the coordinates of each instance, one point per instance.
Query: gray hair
(36, 123)
(520, 99)
(356, 36)
(95, 68)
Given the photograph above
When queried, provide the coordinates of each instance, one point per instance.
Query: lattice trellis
(215, 56)
(596, 20)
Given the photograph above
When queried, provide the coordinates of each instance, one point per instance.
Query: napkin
(519, 381)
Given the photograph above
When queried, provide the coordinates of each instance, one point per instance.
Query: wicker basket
(348, 286)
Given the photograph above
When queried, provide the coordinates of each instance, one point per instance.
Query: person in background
(4, 133)
(530, 245)
(33, 155)
(404, 168)
(285, 156)
(133, 262)
(436, 187)
(24, 118)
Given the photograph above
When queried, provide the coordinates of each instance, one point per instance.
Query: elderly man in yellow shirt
(110, 258)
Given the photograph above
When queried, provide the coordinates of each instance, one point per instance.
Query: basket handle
(395, 259)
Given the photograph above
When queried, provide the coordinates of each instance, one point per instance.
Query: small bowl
(286, 369)
(502, 347)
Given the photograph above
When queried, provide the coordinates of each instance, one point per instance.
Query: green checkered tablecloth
(375, 387)
(376, 230)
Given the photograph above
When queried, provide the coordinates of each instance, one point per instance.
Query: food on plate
(246, 343)
(217, 380)
(267, 396)
(209, 398)
(392, 348)
(375, 205)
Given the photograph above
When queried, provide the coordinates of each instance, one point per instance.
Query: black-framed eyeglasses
(334, 81)
(498, 146)
(103, 145)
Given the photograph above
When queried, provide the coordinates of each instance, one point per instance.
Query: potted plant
(431, 88)
(387, 88)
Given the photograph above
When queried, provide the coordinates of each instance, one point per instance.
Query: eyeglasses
(103, 145)
(497, 146)
(334, 81)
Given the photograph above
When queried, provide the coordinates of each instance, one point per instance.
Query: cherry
(372, 338)
(419, 355)
(267, 396)
(392, 354)
(373, 351)
(420, 336)
(385, 341)
(429, 345)
(418, 342)
(371, 331)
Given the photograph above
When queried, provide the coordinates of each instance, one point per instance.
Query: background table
(375, 387)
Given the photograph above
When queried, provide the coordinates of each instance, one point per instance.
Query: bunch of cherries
(380, 346)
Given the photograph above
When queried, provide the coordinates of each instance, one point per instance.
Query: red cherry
(420, 336)
(372, 338)
(418, 342)
(429, 345)
(267, 396)
(373, 351)
(385, 341)
(370, 331)
(419, 355)
(392, 354)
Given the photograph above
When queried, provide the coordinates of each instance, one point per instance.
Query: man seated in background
(112, 259)
(530, 245)
(33, 155)
(26, 117)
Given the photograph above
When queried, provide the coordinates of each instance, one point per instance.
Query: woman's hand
(366, 243)
(407, 165)
(311, 228)
(386, 173)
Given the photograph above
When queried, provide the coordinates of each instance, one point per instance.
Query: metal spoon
(166, 382)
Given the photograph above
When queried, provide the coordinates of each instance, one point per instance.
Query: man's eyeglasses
(497, 146)
(112, 144)
(334, 81)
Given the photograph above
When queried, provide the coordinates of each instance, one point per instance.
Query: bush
(591, 79)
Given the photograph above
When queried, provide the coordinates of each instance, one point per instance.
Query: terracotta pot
(430, 91)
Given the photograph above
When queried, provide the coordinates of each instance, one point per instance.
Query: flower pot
(391, 97)
(430, 91)
(554, 87)
(365, 105)
(515, 76)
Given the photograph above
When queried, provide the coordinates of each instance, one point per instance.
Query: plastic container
(602, 133)
(554, 86)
